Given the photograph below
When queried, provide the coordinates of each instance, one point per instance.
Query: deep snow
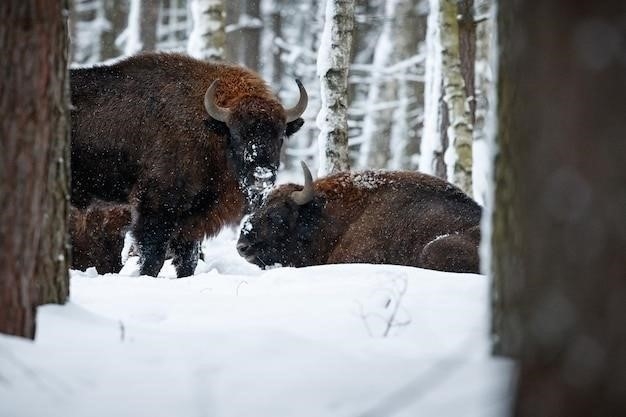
(237, 341)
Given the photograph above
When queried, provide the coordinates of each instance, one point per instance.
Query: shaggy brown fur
(141, 135)
(370, 217)
(97, 235)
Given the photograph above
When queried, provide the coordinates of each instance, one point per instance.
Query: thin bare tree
(332, 66)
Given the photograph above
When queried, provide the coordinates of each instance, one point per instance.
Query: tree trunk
(116, 13)
(432, 138)
(243, 38)
(208, 37)
(148, 23)
(271, 63)
(458, 155)
(484, 107)
(406, 134)
(34, 157)
(251, 34)
(397, 42)
(333, 64)
(559, 231)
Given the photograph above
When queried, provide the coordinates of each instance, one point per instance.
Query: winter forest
(377, 208)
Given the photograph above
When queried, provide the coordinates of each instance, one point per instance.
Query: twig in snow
(239, 285)
(122, 331)
(393, 301)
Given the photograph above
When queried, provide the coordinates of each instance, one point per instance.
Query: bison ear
(216, 126)
(293, 127)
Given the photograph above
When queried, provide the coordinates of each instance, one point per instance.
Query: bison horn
(306, 195)
(221, 114)
(296, 111)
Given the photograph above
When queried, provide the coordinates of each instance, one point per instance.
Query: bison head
(257, 127)
(282, 230)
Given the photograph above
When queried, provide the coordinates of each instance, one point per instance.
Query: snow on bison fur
(392, 217)
(190, 145)
(97, 236)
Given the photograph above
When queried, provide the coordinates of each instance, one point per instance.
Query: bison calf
(403, 218)
(97, 236)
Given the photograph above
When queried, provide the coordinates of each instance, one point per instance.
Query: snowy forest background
(394, 59)
(340, 340)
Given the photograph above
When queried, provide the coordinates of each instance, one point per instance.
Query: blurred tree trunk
(397, 42)
(484, 82)
(333, 63)
(243, 37)
(34, 158)
(116, 13)
(406, 133)
(302, 28)
(251, 34)
(208, 37)
(270, 58)
(559, 234)
(148, 23)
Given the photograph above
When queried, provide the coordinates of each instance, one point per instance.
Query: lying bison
(97, 236)
(403, 218)
(188, 144)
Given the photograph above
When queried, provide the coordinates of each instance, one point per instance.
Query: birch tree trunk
(559, 232)
(34, 158)
(458, 156)
(484, 79)
(432, 134)
(332, 67)
(131, 37)
(208, 36)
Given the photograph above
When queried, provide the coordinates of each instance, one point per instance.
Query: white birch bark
(208, 36)
(131, 37)
(431, 136)
(484, 106)
(332, 68)
(458, 156)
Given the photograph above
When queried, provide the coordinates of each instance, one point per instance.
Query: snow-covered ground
(237, 341)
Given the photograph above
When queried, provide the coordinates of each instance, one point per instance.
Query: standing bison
(188, 144)
(403, 218)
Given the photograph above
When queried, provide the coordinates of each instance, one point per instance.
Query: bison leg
(185, 256)
(152, 235)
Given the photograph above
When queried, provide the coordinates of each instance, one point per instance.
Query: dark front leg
(185, 256)
(152, 235)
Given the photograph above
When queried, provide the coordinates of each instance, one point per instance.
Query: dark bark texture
(34, 157)
(559, 224)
